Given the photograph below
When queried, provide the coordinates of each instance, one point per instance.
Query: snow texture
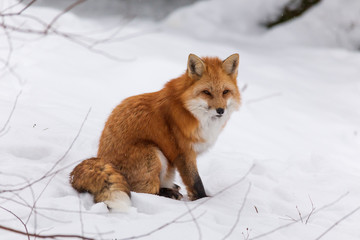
(294, 146)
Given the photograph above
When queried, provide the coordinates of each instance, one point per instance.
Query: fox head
(213, 92)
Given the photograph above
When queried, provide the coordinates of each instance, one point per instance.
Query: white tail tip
(119, 201)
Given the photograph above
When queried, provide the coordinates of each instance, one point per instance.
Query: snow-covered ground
(293, 148)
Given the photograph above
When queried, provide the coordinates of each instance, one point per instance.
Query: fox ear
(230, 65)
(195, 66)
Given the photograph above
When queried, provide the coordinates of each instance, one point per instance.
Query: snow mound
(331, 23)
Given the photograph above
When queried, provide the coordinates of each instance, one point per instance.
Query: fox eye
(207, 92)
(226, 91)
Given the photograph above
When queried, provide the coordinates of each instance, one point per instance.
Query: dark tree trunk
(292, 10)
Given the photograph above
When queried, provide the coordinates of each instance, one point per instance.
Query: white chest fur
(209, 130)
(210, 125)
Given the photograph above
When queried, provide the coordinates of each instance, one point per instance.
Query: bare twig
(29, 185)
(190, 220)
(301, 219)
(26, 7)
(192, 209)
(49, 172)
(250, 101)
(33, 208)
(10, 45)
(12, 72)
(130, 36)
(312, 211)
(243, 89)
(246, 237)
(70, 37)
(338, 221)
(26, 230)
(80, 216)
(11, 113)
(13, 175)
(45, 236)
(11, 7)
(48, 29)
(289, 218)
(5, 132)
(2, 13)
(25, 204)
(62, 13)
(194, 220)
(238, 213)
(291, 223)
(300, 215)
(100, 234)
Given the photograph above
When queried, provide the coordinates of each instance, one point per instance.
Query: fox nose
(220, 110)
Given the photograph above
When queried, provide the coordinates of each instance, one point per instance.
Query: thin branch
(49, 173)
(289, 218)
(72, 143)
(44, 236)
(13, 175)
(300, 215)
(289, 224)
(80, 216)
(62, 13)
(27, 232)
(243, 89)
(192, 209)
(301, 219)
(312, 210)
(11, 113)
(239, 213)
(338, 221)
(10, 45)
(246, 237)
(17, 13)
(49, 29)
(190, 220)
(100, 234)
(25, 204)
(130, 36)
(250, 101)
(33, 208)
(11, 7)
(194, 220)
(26, 7)
(5, 131)
(13, 73)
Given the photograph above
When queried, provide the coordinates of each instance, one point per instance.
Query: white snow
(297, 131)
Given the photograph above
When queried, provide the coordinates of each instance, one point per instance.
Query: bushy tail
(102, 180)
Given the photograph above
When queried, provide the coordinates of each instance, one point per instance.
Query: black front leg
(199, 191)
(186, 165)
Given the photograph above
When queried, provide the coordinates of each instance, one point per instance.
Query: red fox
(150, 135)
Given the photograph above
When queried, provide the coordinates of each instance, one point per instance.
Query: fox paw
(171, 193)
